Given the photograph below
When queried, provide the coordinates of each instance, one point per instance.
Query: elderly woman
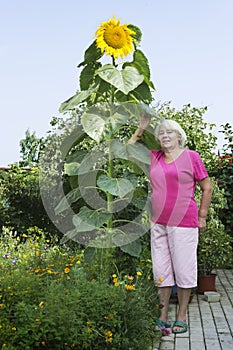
(176, 219)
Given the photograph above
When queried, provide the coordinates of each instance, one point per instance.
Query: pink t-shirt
(173, 187)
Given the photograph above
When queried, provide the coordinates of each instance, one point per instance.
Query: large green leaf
(116, 186)
(142, 93)
(75, 100)
(72, 168)
(135, 151)
(114, 122)
(89, 161)
(87, 75)
(93, 123)
(137, 31)
(92, 53)
(66, 201)
(133, 249)
(126, 80)
(88, 219)
(85, 165)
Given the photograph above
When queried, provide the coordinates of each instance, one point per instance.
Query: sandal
(162, 324)
(182, 324)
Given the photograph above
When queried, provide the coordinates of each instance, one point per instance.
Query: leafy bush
(49, 299)
(20, 203)
(214, 248)
(224, 175)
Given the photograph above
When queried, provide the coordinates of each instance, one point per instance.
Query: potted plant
(214, 251)
(215, 245)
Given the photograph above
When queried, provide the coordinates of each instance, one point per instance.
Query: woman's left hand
(202, 224)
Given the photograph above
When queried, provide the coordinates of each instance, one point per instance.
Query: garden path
(210, 323)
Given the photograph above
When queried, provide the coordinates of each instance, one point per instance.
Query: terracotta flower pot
(206, 283)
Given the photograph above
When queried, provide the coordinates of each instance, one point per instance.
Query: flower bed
(49, 300)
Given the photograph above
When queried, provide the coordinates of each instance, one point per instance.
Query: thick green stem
(109, 195)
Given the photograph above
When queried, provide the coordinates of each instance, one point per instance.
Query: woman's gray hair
(172, 125)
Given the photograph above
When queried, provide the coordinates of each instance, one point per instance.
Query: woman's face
(168, 138)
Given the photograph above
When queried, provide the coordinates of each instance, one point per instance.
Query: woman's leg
(183, 244)
(162, 267)
(183, 299)
(164, 297)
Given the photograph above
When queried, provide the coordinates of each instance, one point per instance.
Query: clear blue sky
(189, 45)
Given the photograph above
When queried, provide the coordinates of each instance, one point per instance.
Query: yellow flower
(37, 319)
(66, 270)
(139, 273)
(114, 39)
(13, 328)
(108, 336)
(41, 305)
(129, 287)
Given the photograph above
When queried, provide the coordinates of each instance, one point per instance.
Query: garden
(75, 264)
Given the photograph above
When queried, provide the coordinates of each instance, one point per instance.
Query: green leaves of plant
(116, 186)
(135, 151)
(98, 122)
(125, 80)
(88, 219)
(75, 100)
(91, 55)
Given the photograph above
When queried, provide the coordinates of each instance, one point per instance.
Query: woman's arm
(206, 188)
(143, 124)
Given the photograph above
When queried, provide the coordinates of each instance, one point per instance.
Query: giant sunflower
(114, 39)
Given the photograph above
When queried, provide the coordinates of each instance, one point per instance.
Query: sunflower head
(115, 39)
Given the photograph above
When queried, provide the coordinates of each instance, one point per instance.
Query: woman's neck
(172, 154)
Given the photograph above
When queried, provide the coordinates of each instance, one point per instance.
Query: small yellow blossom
(139, 273)
(66, 270)
(108, 336)
(13, 329)
(129, 287)
(41, 305)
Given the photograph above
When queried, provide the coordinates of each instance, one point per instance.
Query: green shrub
(21, 206)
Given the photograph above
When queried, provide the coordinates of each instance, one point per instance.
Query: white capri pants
(174, 255)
